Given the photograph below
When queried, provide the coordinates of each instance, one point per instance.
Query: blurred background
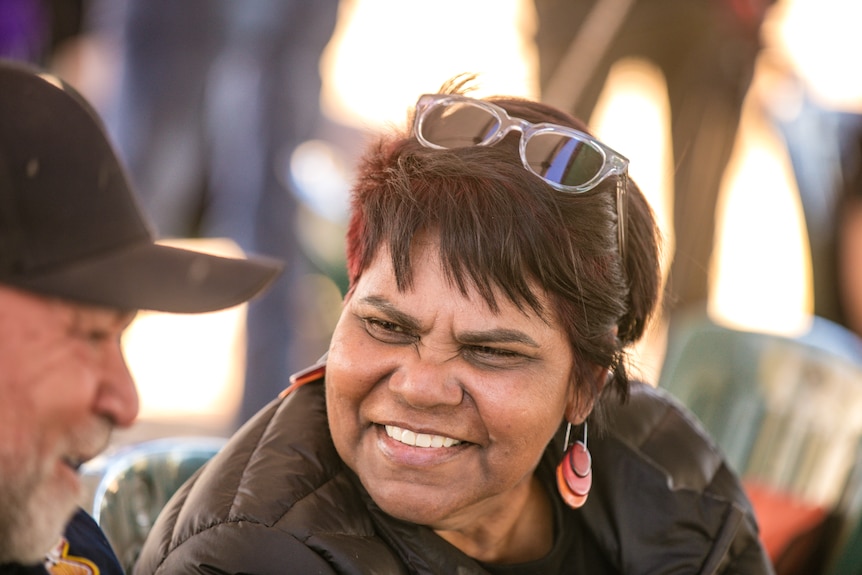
(240, 123)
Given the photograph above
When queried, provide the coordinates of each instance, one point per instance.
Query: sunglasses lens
(563, 159)
(458, 125)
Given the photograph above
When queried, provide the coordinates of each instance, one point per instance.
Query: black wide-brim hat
(70, 224)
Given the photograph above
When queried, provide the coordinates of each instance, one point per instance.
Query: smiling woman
(501, 264)
(491, 386)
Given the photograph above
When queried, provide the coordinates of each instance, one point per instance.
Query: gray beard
(34, 510)
(32, 517)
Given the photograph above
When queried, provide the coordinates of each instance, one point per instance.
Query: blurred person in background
(77, 260)
(212, 98)
(35, 30)
(824, 145)
(816, 108)
(850, 231)
(706, 50)
(501, 264)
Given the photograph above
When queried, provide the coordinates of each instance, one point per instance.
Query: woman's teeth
(419, 439)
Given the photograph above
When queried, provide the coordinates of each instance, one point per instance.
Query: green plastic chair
(787, 412)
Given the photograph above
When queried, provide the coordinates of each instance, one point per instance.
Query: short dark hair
(500, 225)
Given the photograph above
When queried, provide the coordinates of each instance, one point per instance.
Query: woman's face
(441, 406)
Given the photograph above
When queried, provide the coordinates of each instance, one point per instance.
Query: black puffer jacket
(277, 499)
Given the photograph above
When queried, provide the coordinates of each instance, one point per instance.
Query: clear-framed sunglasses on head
(567, 159)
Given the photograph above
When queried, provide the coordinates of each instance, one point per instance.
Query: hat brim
(156, 277)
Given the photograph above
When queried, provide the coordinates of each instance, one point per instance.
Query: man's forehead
(87, 313)
(13, 299)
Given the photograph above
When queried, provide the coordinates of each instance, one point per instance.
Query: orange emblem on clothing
(59, 562)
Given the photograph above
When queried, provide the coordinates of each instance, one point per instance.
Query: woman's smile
(404, 450)
(415, 439)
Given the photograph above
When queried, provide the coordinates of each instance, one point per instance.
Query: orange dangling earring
(575, 471)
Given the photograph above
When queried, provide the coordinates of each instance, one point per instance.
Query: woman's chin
(420, 506)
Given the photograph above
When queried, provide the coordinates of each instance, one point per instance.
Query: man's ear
(581, 401)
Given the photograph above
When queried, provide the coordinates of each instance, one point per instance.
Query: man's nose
(118, 395)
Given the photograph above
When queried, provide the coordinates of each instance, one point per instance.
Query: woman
(500, 262)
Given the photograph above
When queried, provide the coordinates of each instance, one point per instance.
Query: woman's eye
(494, 355)
(492, 351)
(387, 332)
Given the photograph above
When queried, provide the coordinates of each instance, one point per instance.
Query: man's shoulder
(82, 549)
(85, 546)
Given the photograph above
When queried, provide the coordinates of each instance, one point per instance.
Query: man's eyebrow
(499, 335)
(119, 318)
(396, 315)
(126, 317)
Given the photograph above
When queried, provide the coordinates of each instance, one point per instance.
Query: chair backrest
(131, 485)
(787, 412)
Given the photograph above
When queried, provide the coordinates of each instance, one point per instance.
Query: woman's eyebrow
(479, 337)
(396, 315)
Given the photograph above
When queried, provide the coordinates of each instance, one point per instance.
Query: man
(77, 259)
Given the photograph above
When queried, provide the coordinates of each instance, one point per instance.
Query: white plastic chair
(132, 484)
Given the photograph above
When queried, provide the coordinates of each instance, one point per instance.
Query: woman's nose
(427, 380)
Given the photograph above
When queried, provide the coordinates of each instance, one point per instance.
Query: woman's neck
(520, 530)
